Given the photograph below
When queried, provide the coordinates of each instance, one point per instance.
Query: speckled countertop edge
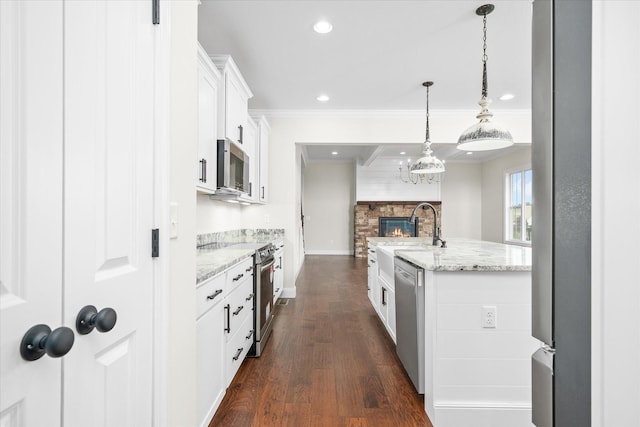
(210, 262)
(461, 254)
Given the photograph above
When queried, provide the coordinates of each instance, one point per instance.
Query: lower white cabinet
(372, 276)
(387, 307)
(224, 324)
(211, 382)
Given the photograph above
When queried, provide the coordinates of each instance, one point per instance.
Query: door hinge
(155, 243)
(155, 12)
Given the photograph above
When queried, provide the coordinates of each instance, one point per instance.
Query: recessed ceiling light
(322, 27)
(322, 98)
(507, 97)
(334, 153)
(402, 153)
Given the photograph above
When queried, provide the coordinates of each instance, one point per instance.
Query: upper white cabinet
(250, 145)
(208, 93)
(233, 102)
(263, 150)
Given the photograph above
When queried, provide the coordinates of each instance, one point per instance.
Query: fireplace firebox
(397, 226)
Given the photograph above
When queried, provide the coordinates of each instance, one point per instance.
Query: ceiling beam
(374, 155)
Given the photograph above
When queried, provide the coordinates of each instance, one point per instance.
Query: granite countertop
(213, 257)
(462, 255)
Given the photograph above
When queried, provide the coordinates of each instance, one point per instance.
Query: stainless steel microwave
(233, 167)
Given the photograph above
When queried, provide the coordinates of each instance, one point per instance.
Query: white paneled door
(77, 208)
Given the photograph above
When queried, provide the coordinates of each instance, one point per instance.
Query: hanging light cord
(484, 56)
(427, 138)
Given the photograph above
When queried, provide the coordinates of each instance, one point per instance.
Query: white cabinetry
(208, 94)
(381, 289)
(233, 102)
(372, 276)
(238, 309)
(263, 149)
(250, 146)
(387, 306)
(278, 271)
(210, 357)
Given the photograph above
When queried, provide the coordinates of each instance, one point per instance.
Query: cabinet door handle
(238, 353)
(250, 334)
(235, 313)
(203, 170)
(262, 192)
(238, 277)
(277, 290)
(248, 269)
(248, 298)
(215, 294)
(240, 129)
(227, 308)
(373, 261)
(384, 300)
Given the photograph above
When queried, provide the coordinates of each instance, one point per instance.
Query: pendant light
(484, 135)
(428, 163)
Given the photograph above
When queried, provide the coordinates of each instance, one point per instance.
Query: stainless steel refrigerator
(561, 242)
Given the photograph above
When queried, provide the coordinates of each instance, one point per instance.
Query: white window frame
(506, 205)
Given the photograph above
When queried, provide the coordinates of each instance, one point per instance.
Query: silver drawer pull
(215, 294)
(238, 353)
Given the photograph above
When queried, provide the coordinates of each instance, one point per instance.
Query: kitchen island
(477, 369)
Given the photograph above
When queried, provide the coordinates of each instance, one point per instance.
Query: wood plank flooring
(329, 361)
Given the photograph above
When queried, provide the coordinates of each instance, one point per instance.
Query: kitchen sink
(385, 254)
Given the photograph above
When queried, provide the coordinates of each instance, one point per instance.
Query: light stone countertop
(210, 262)
(214, 258)
(461, 254)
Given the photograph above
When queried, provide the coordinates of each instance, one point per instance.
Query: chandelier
(428, 167)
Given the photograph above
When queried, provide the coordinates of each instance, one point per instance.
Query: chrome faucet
(436, 237)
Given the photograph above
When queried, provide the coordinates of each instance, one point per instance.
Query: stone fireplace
(367, 220)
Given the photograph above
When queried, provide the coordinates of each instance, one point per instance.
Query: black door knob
(41, 340)
(89, 318)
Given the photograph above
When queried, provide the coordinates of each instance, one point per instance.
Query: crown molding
(389, 114)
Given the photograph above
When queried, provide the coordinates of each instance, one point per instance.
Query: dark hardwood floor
(329, 361)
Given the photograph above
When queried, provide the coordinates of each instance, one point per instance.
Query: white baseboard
(328, 252)
(288, 293)
(480, 414)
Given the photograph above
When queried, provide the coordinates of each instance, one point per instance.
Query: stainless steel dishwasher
(409, 284)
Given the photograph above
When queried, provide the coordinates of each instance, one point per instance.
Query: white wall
(181, 295)
(380, 181)
(328, 208)
(462, 200)
(493, 192)
(215, 215)
(615, 211)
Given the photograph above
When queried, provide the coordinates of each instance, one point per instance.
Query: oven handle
(263, 267)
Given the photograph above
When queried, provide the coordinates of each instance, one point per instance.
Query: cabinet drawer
(210, 293)
(239, 273)
(240, 307)
(237, 348)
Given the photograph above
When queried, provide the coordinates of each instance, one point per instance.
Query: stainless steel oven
(263, 299)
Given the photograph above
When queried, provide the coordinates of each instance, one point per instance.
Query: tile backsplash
(246, 235)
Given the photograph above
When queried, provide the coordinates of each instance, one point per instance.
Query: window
(518, 220)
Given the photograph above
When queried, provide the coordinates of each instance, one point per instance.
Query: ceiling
(376, 57)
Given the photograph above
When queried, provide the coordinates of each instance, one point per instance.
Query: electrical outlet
(489, 316)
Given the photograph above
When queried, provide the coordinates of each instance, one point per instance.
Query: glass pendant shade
(484, 135)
